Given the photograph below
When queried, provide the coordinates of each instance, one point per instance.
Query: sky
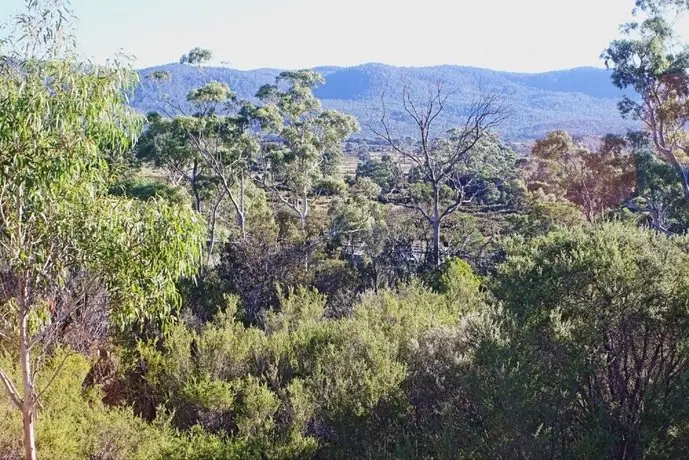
(513, 35)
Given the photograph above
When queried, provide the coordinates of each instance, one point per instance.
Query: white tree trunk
(27, 382)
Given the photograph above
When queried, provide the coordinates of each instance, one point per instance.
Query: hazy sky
(516, 35)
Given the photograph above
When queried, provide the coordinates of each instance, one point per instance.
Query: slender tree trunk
(436, 226)
(305, 204)
(241, 221)
(302, 215)
(195, 188)
(211, 238)
(436, 243)
(27, 380)
(241, 215)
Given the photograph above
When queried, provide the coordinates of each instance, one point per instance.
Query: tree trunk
(436, 225)
(195, 188)
(211, 237)
(436, 243)
(302, 215)
(667, 153)
(27, 380)
(241, 215)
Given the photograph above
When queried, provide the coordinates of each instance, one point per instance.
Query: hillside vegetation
(581, 101)
(217, 279)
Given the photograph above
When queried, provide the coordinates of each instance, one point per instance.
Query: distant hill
(581, 101)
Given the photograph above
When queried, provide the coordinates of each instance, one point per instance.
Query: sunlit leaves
(309, 143)
(196, 56)
(212, 92)
(62, 126)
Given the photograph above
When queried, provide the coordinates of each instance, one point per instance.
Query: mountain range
(582, 101)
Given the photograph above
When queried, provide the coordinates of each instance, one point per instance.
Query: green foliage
(659, 199)
(384, 172)
(458, 281)
(600, 321)
(196, 56)
(303, 383)
(148, 189)
(212, 92)
(541, 215)
(75, 424)
(62, 192)
(310, 140)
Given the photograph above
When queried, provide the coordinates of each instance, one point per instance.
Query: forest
(582, 101)
(233, 278)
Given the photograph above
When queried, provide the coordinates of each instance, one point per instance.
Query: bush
(75, 424)
(600, 325)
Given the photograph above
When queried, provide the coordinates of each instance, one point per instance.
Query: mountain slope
(581, 101)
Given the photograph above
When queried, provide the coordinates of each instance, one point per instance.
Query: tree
(226, 145)
(658, 196)
(649, 61)
(197, 56)
(595, 181)
(598, 326)
(308, 140)
(447, 170)
(213, 148)
(385, 172)
(165, 145)
(65, 243)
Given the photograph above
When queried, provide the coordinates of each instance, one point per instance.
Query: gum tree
(447, 168)
(65, 243)
(306, 143)
(210, 148)
(651, 61)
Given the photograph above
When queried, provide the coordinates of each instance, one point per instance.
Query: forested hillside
(582, 101)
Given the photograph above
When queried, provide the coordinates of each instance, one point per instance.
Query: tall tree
(165, 145)
(447, 168)
(63, 239)
(650, 61)
(307, 141)
(212, 147)
(226, 143)
(596, 181)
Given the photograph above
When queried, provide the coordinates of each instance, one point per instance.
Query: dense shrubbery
(576, 348)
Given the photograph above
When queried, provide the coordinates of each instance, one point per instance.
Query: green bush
(73, 423)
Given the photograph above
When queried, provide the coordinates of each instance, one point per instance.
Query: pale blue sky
(516, 35)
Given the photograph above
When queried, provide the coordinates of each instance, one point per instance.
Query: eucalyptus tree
(658, 196)
(306, 143)
(448, 169)
(211, 148)
(651, 61)
(197, 56)
(595, 181)
(166, 146)
(226, 143)
(64, 241)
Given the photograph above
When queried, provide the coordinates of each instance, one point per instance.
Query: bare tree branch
(11, 390)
